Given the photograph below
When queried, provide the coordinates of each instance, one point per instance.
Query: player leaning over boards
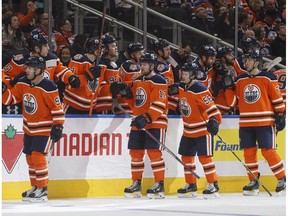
(262, 114)
(147, 98)
(201, 120)
(43, 118)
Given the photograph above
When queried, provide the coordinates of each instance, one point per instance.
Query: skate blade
(159, 195)
(25, 199)
(211, 196)
(133, 195)
(251, 193)
(187, 195)
(39, 200)
(281, 193)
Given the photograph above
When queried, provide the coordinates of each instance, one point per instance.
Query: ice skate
(281, 186)
(39, 195)
(134, 190)
(157, 191)
(211, 191)
(25, 195)
(189, 190)
(252, 189)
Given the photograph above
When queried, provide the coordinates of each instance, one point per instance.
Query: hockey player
(201, 120)
(43, 119)
(77, 101)
(281, 76)
(147, 98)
(110, 52)
(262, 114)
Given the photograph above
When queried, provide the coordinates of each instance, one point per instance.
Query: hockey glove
(74, 81)
(117, 87)
(56, 132)
(141, 121)
(4, 87)
(173, 89)
(213, 126)
(280, 121)
(93, 73)
(15, 80)
(228, 82)
(220, 68)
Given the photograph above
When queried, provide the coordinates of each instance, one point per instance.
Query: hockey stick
(116, 104)
(273, 63)
(247, 168)
(49, 155)
(98, 57)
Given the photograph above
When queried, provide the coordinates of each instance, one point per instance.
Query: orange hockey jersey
(258, 98)
(197, 107)
(111, 74)
(150, 96)
(281, 77)
(81, 97)
(129, 71)
(41, 105)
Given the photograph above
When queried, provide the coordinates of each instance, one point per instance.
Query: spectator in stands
(200, 22)
(257, 9)
(178, 10)
(278, 45)
(243, 23)
(123, 11)
(270, 5)
(223, 26)
(7, 11)
(249, 33)
(265, 48)
(65, 28)
(283, 14)
(78, 46)
(26, 17)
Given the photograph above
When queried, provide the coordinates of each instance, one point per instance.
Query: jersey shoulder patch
(158, 79)
(269, 75)
(47, 85)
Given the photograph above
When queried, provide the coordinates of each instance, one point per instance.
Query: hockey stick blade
(273, 63)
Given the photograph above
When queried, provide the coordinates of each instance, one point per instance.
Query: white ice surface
(226, 205)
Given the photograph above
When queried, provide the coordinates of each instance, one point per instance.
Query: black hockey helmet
(249, 44)
(134, 47)
(148, 57)
(160, 44)
(36, 62)
(107, 39)
(222, 51)
(254, 55)
(208, 50)
(36, 40)
(91, 45)
(190, 67)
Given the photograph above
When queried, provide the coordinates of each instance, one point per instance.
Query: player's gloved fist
(228, 82)
(213, 126)
(173, 89)
(141, 121)
(74, 81)
(56, 132)
(117, 87)
(93, 73)
(280, 121)
(4, 87)
(16, 78)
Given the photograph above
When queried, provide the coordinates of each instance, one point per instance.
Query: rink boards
(92, 159)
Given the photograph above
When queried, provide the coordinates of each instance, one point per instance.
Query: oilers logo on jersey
(251, 93)
(141, 97)
(185, 107)
(30, 103)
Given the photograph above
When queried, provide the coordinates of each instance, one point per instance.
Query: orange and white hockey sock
(274, 161)
(189, 162)
(41, 168)
(32, 174)
(137, 163)
(251, 161)
(209, 168)
(157, 164)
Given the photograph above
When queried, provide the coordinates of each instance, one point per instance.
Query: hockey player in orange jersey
(110, 52)
(262, 114)
(77, 101)
(201, 120)
(43, 119)
(147, 97)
